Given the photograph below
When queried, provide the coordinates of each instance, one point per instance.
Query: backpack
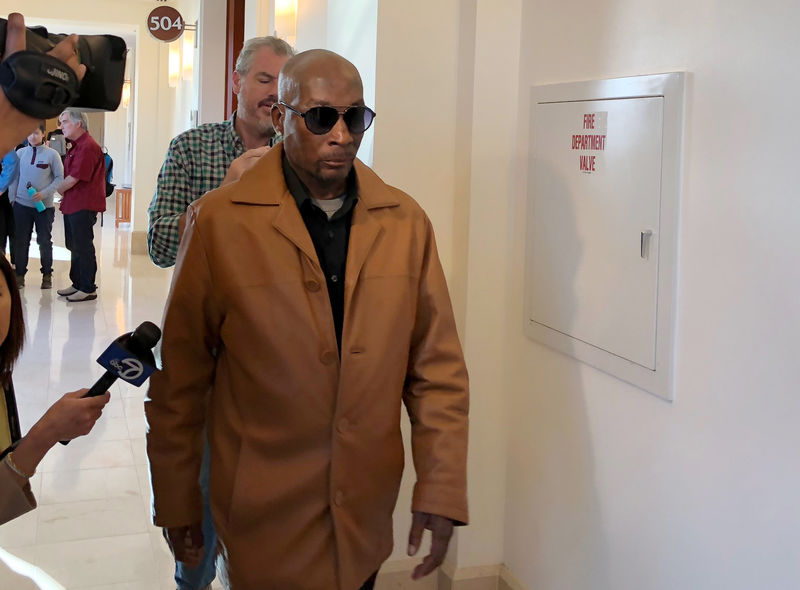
(109, 175)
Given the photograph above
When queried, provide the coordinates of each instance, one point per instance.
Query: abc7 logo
(128, 369)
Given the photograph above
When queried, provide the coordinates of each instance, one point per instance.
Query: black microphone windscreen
(146, 336)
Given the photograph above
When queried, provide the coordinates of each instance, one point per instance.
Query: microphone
(129, 357)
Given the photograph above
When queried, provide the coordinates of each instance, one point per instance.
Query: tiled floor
(92, 528)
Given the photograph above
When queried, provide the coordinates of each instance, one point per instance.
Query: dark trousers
(79, 237)
(369, 584)
(7, 226)
(24, 220)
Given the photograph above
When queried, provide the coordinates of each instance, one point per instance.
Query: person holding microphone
(70, 417)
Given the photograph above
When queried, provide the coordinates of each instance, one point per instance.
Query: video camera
(42, 86)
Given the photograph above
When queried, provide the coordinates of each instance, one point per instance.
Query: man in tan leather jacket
(308, 298)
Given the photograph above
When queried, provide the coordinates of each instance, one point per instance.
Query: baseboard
(396, 575)
(508, 581)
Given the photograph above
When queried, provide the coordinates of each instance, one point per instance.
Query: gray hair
(251, 46)
(78, 117)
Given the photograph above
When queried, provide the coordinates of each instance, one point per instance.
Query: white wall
(609, 487)
(312, 24)
(496, 41)
(153, 119)
(211, 68)
(257, 14)
(117, 141)
(352, 32)
(186, 94)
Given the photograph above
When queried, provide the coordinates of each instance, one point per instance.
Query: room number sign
(165, 23)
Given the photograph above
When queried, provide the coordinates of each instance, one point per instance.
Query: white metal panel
(601, 182)
(590, 293)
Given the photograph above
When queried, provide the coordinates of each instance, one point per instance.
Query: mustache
(268, 102)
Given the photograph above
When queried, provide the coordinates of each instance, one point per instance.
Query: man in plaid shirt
(204, 158)
(200, 160)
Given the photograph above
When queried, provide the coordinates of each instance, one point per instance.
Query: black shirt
(330, 237)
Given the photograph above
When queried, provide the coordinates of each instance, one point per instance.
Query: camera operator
(16, 125)
(72, 415)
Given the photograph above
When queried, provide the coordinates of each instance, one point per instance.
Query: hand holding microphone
(72, 416)
(129, 357)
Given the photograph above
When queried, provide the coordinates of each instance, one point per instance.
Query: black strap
(37, 84)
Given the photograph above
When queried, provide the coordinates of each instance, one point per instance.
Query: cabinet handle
(644, 244)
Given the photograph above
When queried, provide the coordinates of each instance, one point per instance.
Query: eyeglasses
(320, 120)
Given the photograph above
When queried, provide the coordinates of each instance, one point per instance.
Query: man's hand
(37, 197)
(238, 167)
(441, 528)
(186, 543)
(66, 184)
(243, 163)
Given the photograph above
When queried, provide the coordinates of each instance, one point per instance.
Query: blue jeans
(195, 578)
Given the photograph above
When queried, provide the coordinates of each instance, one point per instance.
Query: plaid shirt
(197, 161)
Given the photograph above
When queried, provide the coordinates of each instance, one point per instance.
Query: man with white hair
(204, 158)
(200, 160)
(84, 196)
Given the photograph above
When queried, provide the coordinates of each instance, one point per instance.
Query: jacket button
(338, 498)
(312, 286)
(328, 357)
(343, 425)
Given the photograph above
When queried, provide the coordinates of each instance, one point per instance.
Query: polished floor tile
(92, 529)
(89, 484)
(102, 560)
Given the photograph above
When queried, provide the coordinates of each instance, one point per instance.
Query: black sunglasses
(320, 120)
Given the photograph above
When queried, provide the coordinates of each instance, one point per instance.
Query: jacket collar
(264, 184)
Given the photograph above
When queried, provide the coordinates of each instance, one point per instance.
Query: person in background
(198, 161)
(201, 159)
(84, 196)
(55, 140)
(8, 172)
(40, 171)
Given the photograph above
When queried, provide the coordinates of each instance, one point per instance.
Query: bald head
(312, 68)
(321, 99)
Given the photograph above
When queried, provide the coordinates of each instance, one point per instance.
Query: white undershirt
(329, 206)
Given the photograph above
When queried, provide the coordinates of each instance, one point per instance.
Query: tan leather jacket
(306, 448)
